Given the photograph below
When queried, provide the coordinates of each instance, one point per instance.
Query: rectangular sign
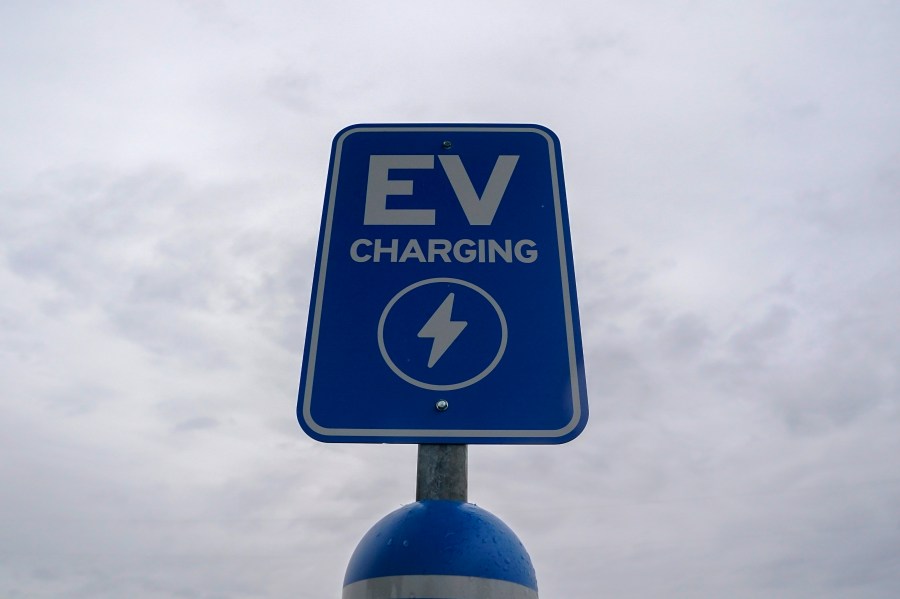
(443, 305)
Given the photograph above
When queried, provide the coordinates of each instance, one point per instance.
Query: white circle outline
(431, 387)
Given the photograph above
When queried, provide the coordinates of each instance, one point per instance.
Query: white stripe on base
(436, 587)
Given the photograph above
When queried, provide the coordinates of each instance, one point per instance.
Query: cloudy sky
(733, 174)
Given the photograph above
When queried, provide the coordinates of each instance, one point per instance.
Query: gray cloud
(732, 187)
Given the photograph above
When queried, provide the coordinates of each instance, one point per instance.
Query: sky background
(733, 176)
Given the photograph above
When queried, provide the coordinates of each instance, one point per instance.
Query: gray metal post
(442, 472)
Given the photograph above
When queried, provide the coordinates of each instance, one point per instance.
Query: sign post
(442, 472)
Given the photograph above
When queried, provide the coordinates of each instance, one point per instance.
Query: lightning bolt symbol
(442, 330)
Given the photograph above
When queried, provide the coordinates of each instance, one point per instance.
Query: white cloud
(732, 186)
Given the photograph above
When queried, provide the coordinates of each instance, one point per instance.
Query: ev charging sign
(443, 306)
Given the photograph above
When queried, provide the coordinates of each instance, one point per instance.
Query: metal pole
(442, 472)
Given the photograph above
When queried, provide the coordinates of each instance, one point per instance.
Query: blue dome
(444, 539)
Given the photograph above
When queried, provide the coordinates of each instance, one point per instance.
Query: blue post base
(440, 549)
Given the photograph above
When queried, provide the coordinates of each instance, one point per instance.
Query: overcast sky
(733, 175)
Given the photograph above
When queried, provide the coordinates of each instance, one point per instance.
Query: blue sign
(446, 549)
(443, 305)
